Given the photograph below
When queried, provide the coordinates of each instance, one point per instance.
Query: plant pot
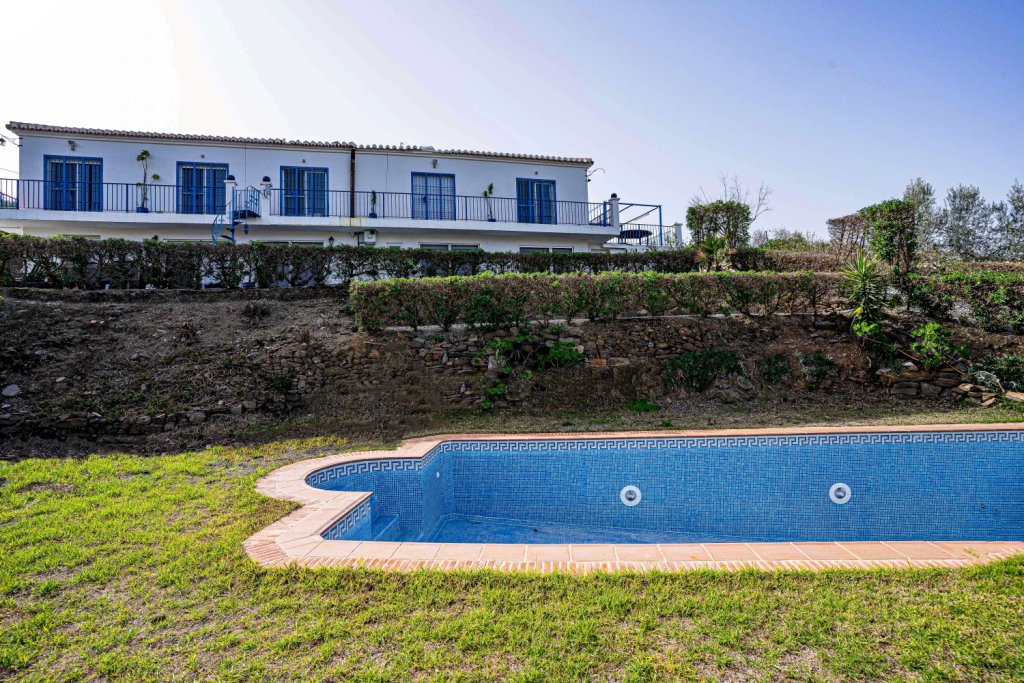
(141, 209)
(373, 214)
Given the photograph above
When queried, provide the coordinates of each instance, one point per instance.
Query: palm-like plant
(866, 288)
(713, 253)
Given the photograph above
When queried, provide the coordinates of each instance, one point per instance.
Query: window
(73, 183)
(535, 201)
(433, 196)
(545, 250)
(303, 191)
(449, 247)
(201, 187)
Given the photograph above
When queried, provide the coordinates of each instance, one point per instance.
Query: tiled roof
(21, 127)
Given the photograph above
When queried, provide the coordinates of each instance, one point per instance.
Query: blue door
(303, 191)
(73, 184)
(535, 201)
(433, 196)
(201, 187)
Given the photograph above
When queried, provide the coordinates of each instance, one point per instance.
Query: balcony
(93, 197)
(327, 207)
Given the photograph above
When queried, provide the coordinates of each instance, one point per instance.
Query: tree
(893, 237)
(1013, 231)
(730, 216)
(726, 219)
(968, 225)
(922, 195)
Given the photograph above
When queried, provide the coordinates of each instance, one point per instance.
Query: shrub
(697, 370)
(931, 343)
(994, 300)
(892, 233)
(818, 368)
(773, 368)
(506, 300)
(1009, 369)
(642, 405)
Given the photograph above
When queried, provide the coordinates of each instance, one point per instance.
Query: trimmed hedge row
(992, 300)
(492, 301)
(124, 264)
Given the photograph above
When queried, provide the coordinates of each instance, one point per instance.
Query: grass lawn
(124, 567)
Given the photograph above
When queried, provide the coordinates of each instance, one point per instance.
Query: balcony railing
(180, 199)
(123, 197)
(360, 204)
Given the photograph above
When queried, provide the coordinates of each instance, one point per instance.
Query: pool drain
(630, 496)
(840, 493)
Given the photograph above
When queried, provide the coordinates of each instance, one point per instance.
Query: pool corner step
(385, 528)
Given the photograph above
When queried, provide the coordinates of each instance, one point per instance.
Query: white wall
(247, 164)
(391, 172)
(380, 171)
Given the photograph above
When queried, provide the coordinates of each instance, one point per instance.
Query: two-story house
(179, 187)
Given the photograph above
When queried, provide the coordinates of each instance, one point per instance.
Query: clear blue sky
(835, 104)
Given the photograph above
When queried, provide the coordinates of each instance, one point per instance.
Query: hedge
(492, 301)
(123, 264)
(994, 301)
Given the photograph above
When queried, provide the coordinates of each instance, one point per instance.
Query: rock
(930, 389)
(11, 390)
(965, 388)
(59, 380)
(1015, 396)
(905, 391)
(249, 405)
(986, 403)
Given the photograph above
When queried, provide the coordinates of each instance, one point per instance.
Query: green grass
(122, 567)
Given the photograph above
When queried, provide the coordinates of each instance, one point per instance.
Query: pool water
(827, 487)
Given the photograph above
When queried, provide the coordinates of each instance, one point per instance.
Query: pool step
(385, 528)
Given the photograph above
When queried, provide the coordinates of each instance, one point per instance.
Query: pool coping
(296, 538)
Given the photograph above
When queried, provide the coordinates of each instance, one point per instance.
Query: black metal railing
(52, 195)
(210, 200)
(361, 204)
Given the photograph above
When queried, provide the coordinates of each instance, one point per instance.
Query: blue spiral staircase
(243, 205)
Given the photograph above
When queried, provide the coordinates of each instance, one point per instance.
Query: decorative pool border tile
(297, 538)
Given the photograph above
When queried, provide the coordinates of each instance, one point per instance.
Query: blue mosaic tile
(920, 485)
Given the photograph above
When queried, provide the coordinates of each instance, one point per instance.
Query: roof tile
(22, 127)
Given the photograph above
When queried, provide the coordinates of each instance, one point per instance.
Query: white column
(613, 209)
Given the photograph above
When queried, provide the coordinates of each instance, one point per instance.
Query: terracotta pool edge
(295, 539)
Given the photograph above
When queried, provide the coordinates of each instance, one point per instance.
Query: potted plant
(143, 158)
(488, 193)
(373, 203)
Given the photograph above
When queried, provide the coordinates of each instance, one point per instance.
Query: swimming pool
(941, 485)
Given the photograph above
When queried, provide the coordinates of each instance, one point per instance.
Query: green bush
(931, 344)
(494, 301)
(697, 370)
(642, 405)
(773, 368)
(994, 300)
(818, 368)
(1009, 369)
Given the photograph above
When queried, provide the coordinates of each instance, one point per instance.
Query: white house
(84, 181)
